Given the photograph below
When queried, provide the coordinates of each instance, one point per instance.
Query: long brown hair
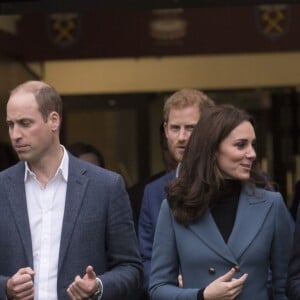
(199, 177)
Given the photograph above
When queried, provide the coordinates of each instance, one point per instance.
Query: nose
(183, 134)
(251, 153)
(14, 133)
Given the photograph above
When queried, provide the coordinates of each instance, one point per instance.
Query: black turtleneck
(224, 211)
(225, 206)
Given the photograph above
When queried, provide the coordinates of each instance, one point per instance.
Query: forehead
(244, 130)
(22, 101)
(187, 115)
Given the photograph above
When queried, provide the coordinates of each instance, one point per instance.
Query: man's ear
(54, 120)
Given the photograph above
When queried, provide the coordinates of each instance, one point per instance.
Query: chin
(245, 177)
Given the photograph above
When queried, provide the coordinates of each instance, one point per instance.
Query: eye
(241, 144)
(190, 128)
(25, 123)
(174, 128)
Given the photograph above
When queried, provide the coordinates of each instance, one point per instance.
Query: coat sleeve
(165, 262)
(281, 248)
(124, 267)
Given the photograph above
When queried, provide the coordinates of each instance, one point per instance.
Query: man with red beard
(181, 112)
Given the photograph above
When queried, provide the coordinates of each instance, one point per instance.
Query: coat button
(212, 271)
(237, 268)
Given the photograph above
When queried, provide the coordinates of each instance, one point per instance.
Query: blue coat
(154, 194)
(97, 230)
(262, 234)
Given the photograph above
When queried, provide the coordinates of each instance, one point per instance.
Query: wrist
(8, 295)
(98, 292)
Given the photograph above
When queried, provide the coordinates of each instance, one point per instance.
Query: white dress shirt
(45, 211)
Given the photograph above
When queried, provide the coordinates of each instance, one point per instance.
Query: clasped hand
(85, 287)
(225, 287)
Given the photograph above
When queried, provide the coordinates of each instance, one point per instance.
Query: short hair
(46, 96)
(78, 149)
(186, 98)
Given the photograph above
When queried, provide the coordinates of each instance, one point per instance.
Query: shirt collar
(63, 168)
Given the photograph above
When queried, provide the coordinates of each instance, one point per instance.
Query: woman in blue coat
(220, 228)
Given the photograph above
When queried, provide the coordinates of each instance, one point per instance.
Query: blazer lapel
(206, 230)
(251, 213)
(15, 188)
(76, 187)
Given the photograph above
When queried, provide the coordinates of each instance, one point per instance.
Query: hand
(225, 287)
(20, 285)
(85, 287)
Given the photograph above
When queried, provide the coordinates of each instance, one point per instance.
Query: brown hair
(185, 98)
(199, 178)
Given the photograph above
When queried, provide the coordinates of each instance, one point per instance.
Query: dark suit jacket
(97, 230)
(154, 194)
(261, 236)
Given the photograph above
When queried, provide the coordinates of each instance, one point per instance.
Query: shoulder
(160, 182)
(266, 198)
(79, 168)
(257, 194)
(15, 170)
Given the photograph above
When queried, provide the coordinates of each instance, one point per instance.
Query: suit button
(212, 271)
(237, 268)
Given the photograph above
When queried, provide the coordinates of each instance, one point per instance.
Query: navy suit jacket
(154, 194)
(97, 230)
(261, 237)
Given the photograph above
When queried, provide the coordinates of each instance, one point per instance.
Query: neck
(46, 168)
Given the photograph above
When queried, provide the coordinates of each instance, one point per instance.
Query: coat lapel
(252, 211)
(206, 230)
(15, 188)
(76, 187)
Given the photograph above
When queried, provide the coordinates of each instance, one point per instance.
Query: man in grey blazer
(66, 229)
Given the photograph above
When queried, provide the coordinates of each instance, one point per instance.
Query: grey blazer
(261, 236)
(97, 230)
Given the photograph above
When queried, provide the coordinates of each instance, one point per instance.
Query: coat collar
(251, 213)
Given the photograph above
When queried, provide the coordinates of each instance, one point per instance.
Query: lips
(21, 148)
(181, 148)
(246, 166)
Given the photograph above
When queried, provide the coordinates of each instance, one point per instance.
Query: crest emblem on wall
(64, 28)
(273, 20)
(168, 26)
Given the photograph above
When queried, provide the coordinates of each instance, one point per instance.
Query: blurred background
(114, 67)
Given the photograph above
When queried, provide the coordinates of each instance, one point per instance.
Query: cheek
(227, 160)
(171, 139)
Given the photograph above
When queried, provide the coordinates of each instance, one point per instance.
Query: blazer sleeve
(281, 247)
(165, 261)
(124, 263)
(3, 280)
